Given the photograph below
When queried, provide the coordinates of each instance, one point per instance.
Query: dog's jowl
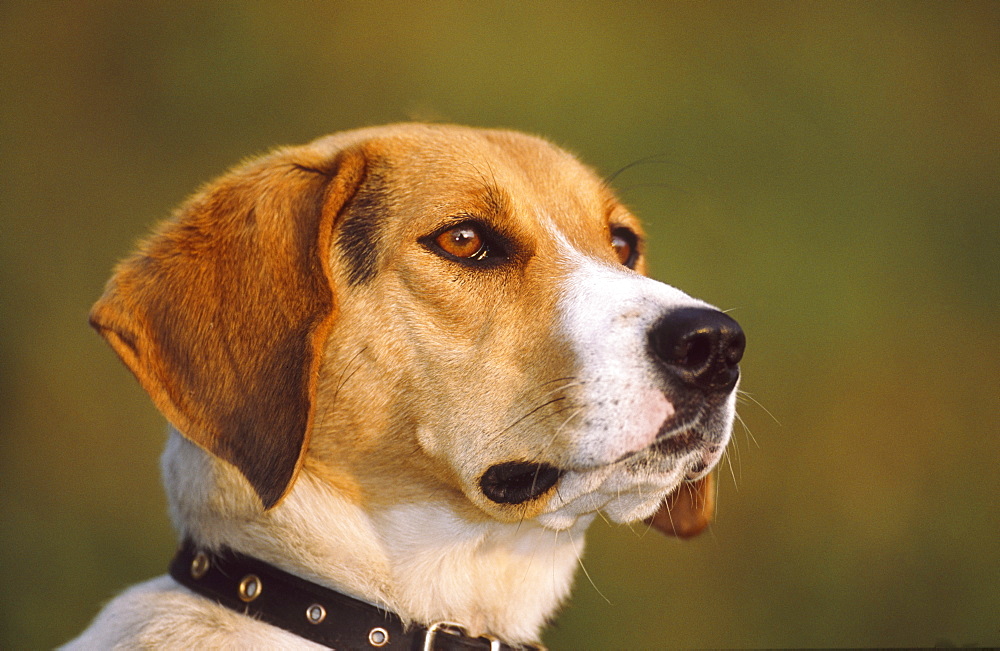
(404, 369)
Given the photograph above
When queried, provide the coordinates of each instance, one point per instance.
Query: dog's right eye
(626, 246)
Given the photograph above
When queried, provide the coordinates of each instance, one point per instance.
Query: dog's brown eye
(624, 242)
(470, 242)
(463, 241)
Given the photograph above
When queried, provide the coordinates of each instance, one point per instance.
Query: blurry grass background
(828, 171)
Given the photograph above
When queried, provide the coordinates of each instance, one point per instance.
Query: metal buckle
(448, 628)
(457, 630)
(493, 640)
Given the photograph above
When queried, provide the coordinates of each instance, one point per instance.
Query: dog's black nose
(700, 346)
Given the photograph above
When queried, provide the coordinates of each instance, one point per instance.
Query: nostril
(693, 351)
(736, 344)
(700, 346)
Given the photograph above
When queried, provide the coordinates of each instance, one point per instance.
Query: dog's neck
(423, 561)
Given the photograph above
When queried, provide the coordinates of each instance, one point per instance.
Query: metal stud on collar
(200, 565)
(250, 588)
(378, 636)
(315, 614)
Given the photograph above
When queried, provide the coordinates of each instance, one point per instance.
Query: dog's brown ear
(688, 510)
(223, 313)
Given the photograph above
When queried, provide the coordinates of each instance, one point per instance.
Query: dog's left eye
(626, 246)
(467, 242)
(462, 241)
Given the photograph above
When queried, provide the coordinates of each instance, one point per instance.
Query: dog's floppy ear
(223, 313)
(688, 510)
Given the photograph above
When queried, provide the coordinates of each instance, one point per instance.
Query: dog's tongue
(688, 510)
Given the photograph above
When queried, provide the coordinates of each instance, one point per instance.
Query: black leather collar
(255, 588)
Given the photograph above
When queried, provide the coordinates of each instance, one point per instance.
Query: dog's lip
(673, 439)
(679, 440)
(704, 465)
(691, 440)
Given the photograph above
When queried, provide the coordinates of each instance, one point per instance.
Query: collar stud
(250, 588)
(378, 636)
(315, 614)
(200, 565)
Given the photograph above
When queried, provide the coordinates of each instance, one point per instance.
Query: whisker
(736, 451)
(663, 184)
(345, 376)
(555, 546)
(541, 406)
(746, 429)
(648, 523)
(552, 439)
(563, 387)
(670, 516)
(654, 158)
(536, 409)
(732, 471)
(531, 412)
(717, 510)
(749, 396)
(579, 560)
(558, 379)
(343, 380)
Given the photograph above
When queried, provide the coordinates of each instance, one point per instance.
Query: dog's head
(431, 312)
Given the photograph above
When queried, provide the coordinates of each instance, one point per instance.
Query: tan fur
(339, 427)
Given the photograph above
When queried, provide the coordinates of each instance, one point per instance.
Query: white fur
(607, 312)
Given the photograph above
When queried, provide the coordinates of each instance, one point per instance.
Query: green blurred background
(828, 171)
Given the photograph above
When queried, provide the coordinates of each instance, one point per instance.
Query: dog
(404, 368)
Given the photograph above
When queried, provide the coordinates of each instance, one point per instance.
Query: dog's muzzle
(699, 351)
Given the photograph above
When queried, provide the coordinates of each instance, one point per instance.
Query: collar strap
(255, 588)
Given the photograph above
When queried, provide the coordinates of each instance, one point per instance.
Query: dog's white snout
(607, 316)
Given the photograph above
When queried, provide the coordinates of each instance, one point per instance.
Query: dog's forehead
(456, 170)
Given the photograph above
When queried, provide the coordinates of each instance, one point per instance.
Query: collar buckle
(457, 630)
(453, 629)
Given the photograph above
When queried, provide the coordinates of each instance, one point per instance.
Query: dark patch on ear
(358, 240)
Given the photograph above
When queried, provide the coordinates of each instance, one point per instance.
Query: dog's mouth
(687, 440)
(517, 482)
